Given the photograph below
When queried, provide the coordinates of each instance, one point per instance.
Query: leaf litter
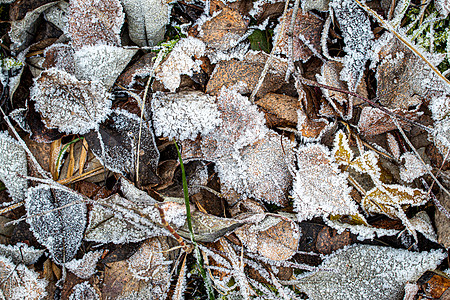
(268, 155)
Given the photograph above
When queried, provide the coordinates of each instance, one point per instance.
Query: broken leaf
(19, 282)
(184, 115)
(368, 272)
(94, 22)
(57, 219)
(13, 162)
(68, 104)
(147, 20)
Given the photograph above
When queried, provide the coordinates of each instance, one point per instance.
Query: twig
(290, 35)
(435, 200)
(270, 59)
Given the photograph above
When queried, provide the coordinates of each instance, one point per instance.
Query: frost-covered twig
(290, 35)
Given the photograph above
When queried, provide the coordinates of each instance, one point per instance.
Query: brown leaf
(224, 30)
(275, 237)
(60, 56)
(229, 73)
(328, 240)
(282, 107)
(95, 22)
(307, 29)
(442, 221)
(435, 285)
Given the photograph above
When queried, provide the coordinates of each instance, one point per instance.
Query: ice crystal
(363, 232)
(85, 267)
(68, 104)
(95, 22)
(320, 189)
(440, 112)
(21, 253)
(413, 168)
(19, 282)
(84, 291)
(443, 6)
(358, 39)
(368, 272)
(102, 63)
(147, 20)
(58, 16)
(181, 61)
(57, 219)
(184, 115)
(60, 56)
(13, 162)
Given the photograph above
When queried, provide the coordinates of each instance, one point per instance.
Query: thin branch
(290, 35)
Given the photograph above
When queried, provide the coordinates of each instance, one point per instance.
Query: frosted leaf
(60, 56)
(70, 105)
(306, 38)
(341, 152)
(93, 22)
(19, 282)
(368, 272)
(147, 20)
(240, 144)
(422, 223)
(102, 63)
(114, 220)
(413, 168)
(115, 145)
(22, 31)
(411, 290)
(320, 189)
(21, 253)
(363, 232)
(275, 237)
(358, 39)
(134, 194)
(223, 30)
(57, 219)
(439, 107)
(84, 291)
(180, 288)
(58, 16)
(85, 267)
(181, 60)
(320, 5)
(150, 262)
(13, 162)
(184, 115)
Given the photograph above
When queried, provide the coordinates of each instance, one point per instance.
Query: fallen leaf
(84, 291)
(19, 282)
(95, 22)
(224, 30)
(442, 221)
(352, 272)
(275, 237)
(68, 104)
(116, 142)
(147, 20)
(434, 285)
(281, 106)
(86, 266)
(306, 38)
(13, 165)
(21, 253)
(57, 219)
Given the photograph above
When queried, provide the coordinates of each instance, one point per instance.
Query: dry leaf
(94, 22)
(70, 105)
(280, 106)
(21, 253)
(306, 38)
(19, 282)
(85, 267)
(275, 237)
(84, 291)
(57, 219)
(368, 272)
(442, 221)
(224, 30)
